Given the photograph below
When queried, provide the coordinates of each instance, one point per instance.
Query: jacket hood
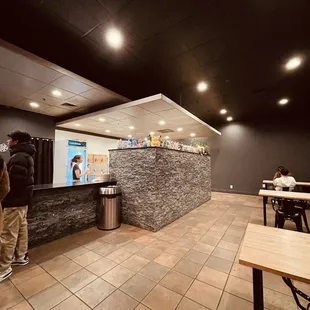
(23, 148)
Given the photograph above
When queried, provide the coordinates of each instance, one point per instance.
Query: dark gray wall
(37, 125)
(247, 153)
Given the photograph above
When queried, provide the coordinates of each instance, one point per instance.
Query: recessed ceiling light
(202, 86)
(161, 122)
(34, 105)
(77, 125)
(131, 127)
(129, 136)
(108, 130)
(152, 133)
(283, 101)
(192, 134)
(293, 63)
(229, 118)
(56, 93)
(223, 111)
(167, 137)
(101, 119)
(114, 38)
(180, 129)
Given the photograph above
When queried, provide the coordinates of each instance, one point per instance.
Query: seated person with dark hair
(285, 180)
(278, 173)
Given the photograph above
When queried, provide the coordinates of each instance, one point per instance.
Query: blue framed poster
(71, 153)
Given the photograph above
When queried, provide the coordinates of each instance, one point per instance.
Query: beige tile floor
(192, 264)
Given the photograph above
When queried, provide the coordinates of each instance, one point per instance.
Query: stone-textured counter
(59, 210)
(160, 185)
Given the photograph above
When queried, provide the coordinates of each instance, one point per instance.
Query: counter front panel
(60, 210)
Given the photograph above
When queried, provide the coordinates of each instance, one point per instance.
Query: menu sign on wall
(76, 143)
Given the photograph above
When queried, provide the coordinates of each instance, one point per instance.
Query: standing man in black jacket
(14, 237)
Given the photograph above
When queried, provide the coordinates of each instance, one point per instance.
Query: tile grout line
(116, 288)
(59, 282)
(25, 299)
(195, 241)
(223, 290)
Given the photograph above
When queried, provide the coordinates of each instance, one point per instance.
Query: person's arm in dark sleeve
(18, 172)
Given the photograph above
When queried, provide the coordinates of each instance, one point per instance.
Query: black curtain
(43, 161)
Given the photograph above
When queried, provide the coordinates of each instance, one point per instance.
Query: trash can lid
(110, 190)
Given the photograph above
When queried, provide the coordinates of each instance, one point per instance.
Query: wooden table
(270, 182)
(280, 194)
(282, 252)
(297, 183)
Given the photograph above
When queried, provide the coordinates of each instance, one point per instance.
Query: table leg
(264, 210)
(258, 292)
(265, 186)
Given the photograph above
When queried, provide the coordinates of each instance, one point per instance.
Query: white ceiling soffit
(26, 78)
(138, 118)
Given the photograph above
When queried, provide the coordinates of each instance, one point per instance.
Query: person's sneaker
(21, 261)
(5, 274)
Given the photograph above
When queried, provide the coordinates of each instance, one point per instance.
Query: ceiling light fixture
(101, 119)
(56, 93)
(283, 101)
(167, 137)
(129, 136)
(161, 122)
(223, 111)
(229, 118)
(131, 127)
(114, 38)
(180, 129)
(202, 86)
(152, 133)
(34, 105)
(192, 134)
(77, 125)
(293, 63)
(108, 130)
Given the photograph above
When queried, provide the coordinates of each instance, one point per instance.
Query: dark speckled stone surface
(58, 212)
(70, 184)
(160, 185)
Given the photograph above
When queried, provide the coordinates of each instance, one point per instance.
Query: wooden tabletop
(283, 194)
(279, 251)
(297, 183)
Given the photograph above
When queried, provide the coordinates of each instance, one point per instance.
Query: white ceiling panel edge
(59, 69)
(113, 109)
(137, 103)
(175, 105)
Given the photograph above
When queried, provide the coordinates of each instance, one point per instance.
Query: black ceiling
(237, 46)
